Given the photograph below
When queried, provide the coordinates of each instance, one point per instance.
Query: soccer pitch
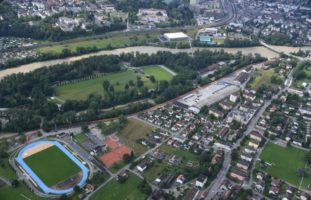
(52, 165)
(285, 163)
(81, 90)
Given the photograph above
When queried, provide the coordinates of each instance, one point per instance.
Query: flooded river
(142, 49)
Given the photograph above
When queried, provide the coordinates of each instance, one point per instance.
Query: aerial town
(155, 99)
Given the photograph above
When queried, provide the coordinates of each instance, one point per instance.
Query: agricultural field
(52, 165)
(285, 163)
(116, 190)
(81, 90)
(134, 131)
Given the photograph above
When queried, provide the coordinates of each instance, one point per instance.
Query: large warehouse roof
(178, 35)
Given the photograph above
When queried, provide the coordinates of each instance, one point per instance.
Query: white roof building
(178, 36)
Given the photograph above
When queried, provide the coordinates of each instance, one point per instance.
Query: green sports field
(158, 72)
(52, 165)
(285, 162)
(81, 90)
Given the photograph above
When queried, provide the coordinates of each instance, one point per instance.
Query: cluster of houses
(151, 16)
(156, 137)
(207, 12)
(241, 170)
(15, 48)
(48, 8)
(266, 18)
(287, 121)
(171, 117)
(247, 109)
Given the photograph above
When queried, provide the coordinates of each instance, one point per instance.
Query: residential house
(240, 175)
(192, 194)
(201, 180)
(141, 167)
(254, 143)
(274, 190)
(246, 157)
(234, 97)
(243, 164)
(216, 113)
(180, 179)
(249, 150)
(256, 136)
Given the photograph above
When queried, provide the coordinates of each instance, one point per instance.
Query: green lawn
(158, 72)
(81, 90)
(118, 191)
(187, 156)
(80, 138)
(6, 170)
(52, 165)
(285, 163)
(134, 131)
(262, 77)
(19, 193)
(157, 169)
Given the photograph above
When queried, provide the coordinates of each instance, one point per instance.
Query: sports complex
(51, 167)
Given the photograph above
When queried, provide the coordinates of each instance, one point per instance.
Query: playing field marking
(306, 165)
(168, 70)
(25, 196)
(36, 149)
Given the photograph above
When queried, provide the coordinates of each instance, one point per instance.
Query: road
(251, 126)
(215, 185)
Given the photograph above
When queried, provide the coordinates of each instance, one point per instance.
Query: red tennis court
(117, 151)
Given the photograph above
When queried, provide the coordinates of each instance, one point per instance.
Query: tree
(15, 183)
(145, 188)
(302, 172)
(106, 85)
(308, 158)
(76, 189)
(85, 128)
(127, 158)
(111, 88)
(152, 79)
(63, 197)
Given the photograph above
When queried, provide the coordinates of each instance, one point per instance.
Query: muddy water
(142, 49)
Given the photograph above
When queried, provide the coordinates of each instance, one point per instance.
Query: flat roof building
(178, 36)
